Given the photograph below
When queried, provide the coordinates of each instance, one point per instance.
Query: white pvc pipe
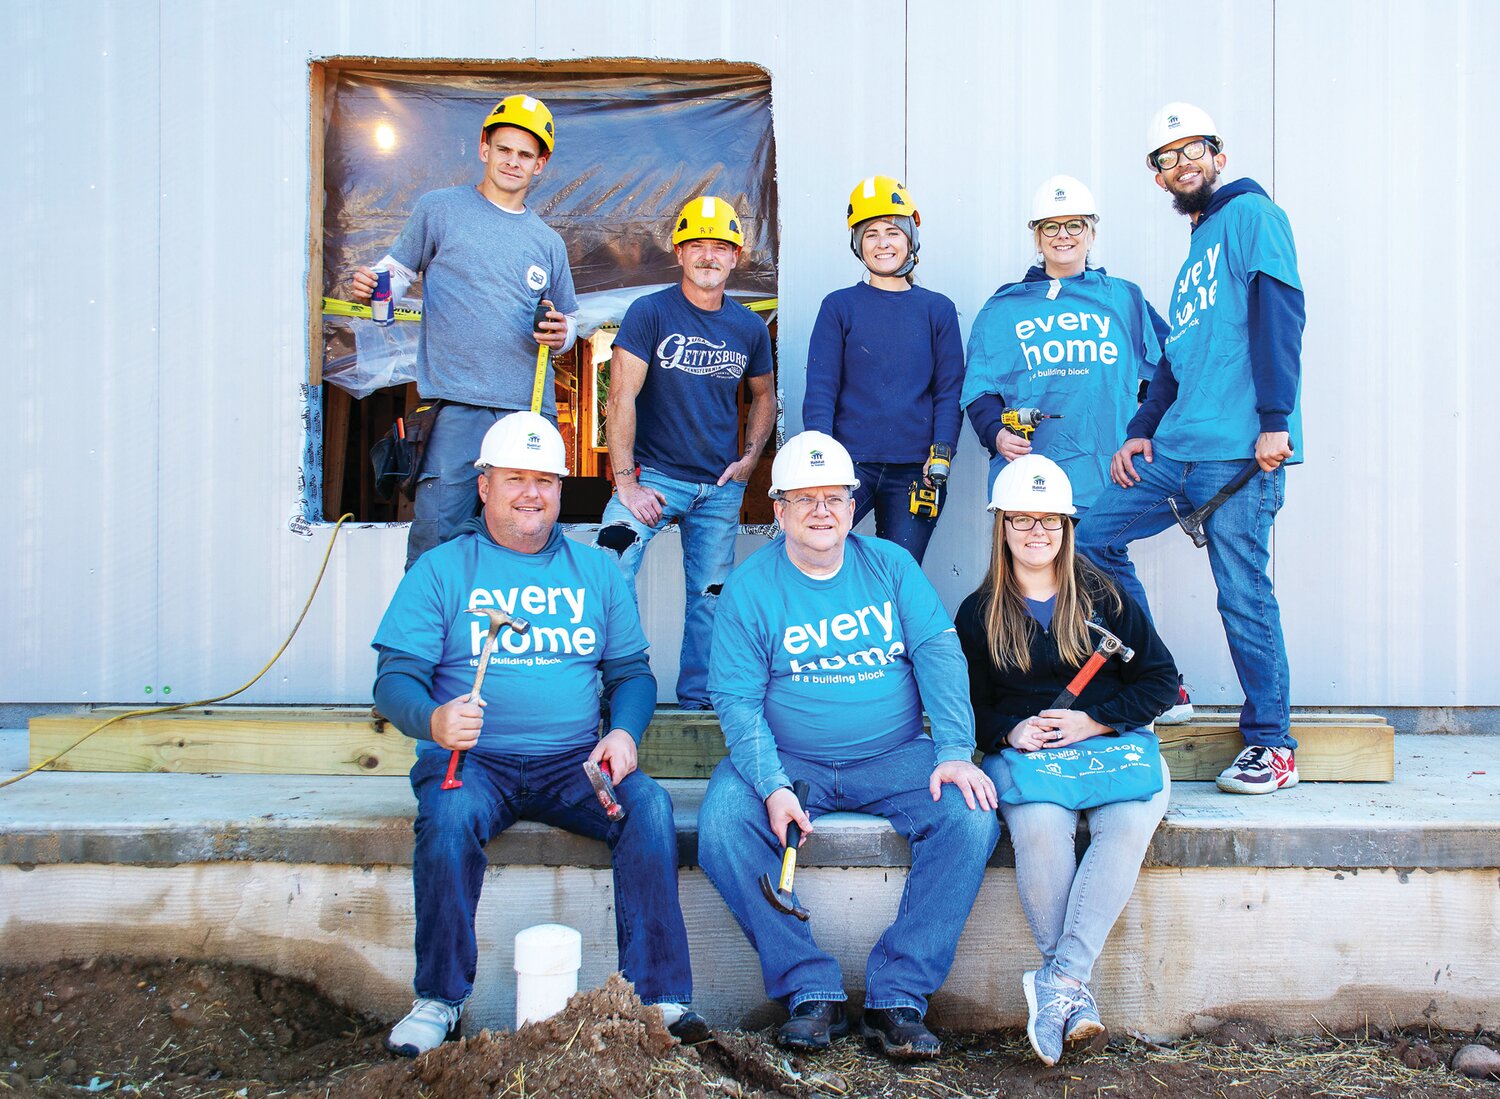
(547, 960)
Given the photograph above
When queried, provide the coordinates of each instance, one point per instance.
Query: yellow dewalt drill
(1023, 421)
(927, 502)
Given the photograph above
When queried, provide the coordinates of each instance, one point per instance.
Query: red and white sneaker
(1180, 713)
(1259, 770)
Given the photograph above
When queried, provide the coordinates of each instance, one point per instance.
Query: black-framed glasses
(1026, 522)
(1074, 226)
(1168, 159)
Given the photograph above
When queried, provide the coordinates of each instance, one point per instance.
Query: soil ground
(191, 1030)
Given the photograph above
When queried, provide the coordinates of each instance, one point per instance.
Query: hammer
(452, 781)
(780, 897)
(1108, 646)
(1193, 522)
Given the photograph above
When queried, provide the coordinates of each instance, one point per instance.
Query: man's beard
(1194, 202)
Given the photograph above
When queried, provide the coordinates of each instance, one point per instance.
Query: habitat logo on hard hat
(1173, 122)
(1039, 483)
(815, 458)
(533, 441)
(1059, 195)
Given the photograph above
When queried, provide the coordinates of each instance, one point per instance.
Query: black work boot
(901, 1033)
(814, 1025)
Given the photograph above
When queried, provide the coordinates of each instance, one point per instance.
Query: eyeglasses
(1167, 159)
(1074, 226)
(833, 501)
(1026, 522)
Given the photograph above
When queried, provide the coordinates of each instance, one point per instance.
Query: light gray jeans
(1071, 904)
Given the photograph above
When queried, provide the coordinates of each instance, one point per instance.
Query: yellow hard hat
(880, 197)
(708, 218)
(524, 113)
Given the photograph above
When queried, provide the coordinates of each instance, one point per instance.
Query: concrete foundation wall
(1294, 948)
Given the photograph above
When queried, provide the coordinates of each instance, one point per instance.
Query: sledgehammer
(1193, 522)
(780, 895)
(453, 780)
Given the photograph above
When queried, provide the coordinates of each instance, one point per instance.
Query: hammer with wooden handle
(498, 619)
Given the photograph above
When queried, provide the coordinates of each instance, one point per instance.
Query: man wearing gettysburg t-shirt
(673, 424)
(525, 740)
(826, 649)
(1225, 393)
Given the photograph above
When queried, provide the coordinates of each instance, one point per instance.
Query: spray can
(382, 310)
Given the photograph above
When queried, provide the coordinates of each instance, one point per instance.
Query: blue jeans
(1239, 539)
(448, 864)
(886, 487)
(709, 518)
(1071, 904)
(950, 844)
(447, 494)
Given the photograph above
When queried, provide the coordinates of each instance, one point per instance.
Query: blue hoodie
(1235, 350)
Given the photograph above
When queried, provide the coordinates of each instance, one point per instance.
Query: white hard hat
(524, 440)
(1176, 121)
(1033, 482)
(1062, 196)
(811, 460)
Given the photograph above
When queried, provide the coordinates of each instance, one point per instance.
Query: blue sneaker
(1050, 1004)
(1084, 1022)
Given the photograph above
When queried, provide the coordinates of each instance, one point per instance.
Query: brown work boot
(814, 1025)
(901, 1033)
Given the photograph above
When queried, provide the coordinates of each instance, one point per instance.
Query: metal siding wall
(1396, 569)
(81, 449)
(182, 447)
(990, 118)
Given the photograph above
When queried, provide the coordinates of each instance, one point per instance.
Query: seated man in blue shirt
(526, 738)
(826, 647)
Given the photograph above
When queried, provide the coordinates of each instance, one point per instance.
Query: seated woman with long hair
(1026, 634)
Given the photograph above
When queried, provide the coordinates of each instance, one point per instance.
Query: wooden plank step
(352, 740)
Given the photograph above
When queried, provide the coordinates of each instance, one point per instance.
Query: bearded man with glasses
(1225, 393)
(827, 647)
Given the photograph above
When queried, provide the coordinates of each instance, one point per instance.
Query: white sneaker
(1180, 713)
(428, 1025)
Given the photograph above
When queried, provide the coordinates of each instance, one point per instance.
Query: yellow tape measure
(337, 307)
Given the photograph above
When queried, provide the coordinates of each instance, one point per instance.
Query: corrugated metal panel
(1389, 559)
(81, 446)
(157, 471)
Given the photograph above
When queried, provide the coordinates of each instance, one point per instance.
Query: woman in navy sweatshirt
(885, 367)
(1025, 636)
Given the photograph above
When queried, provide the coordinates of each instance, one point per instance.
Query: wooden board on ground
(271, 740)
(351, 740)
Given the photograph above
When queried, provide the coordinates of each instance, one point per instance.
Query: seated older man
(528, 735)
(826, 647)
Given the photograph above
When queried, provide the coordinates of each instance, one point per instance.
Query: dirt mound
(113, 1023)
(604, 1044)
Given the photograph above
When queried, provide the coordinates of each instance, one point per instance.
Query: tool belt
(397, 457)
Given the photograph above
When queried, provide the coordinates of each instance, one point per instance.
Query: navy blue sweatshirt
(884, 372)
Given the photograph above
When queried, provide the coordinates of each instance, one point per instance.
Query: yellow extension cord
(202, 701)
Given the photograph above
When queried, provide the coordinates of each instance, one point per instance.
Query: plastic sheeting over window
(632, 149)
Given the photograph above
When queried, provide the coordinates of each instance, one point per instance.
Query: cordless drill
(927, 502)
(1023, 421)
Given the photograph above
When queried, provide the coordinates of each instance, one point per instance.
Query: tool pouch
(397, 461)
(1099, 771)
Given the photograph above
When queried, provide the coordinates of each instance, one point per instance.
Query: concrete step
(1321, 905)
(678, 744)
